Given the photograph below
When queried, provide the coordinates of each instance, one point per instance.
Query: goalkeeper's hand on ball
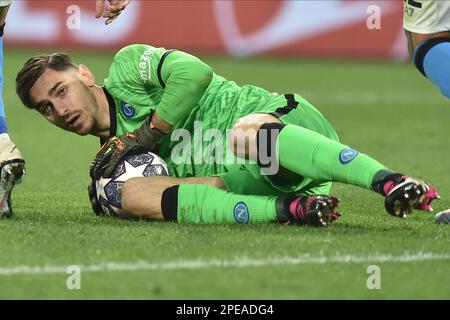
(111, 153)
(105, 162)
(116, 148)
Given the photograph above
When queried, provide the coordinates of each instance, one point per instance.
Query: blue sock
(435, 62)
(3, 127)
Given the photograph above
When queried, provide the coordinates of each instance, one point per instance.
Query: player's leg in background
(11, 161)
(427, 28)
(431, 55)
(315, 156)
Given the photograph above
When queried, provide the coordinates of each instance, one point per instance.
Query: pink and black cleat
(403, 194)
(316, 210)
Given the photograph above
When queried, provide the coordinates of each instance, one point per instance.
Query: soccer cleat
(442, 217)
(12, 166)
(403, 194)
(316, 211)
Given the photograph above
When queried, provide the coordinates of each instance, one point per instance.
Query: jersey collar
(112, 116)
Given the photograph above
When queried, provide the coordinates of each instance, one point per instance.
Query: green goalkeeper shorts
(248, 179)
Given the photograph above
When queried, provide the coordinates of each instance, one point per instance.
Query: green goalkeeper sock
(197, 203)
(315, 156)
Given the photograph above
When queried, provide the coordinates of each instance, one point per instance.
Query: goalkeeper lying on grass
(153, 98)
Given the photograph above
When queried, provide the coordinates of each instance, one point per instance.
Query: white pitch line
(238, 262)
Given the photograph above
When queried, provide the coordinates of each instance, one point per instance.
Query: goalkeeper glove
(147, 135)
(111, 153)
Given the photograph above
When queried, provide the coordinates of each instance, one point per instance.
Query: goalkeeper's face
(67, 99)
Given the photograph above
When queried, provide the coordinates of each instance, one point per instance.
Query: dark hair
(34, 68)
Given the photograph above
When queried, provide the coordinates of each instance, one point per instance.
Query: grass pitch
(386, 110)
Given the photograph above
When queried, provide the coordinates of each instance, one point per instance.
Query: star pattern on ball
(99, 185)
(131, 171)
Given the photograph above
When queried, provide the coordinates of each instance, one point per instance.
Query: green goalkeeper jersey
(200, 105)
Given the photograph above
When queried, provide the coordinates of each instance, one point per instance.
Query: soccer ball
(132, 166)
(442, 217)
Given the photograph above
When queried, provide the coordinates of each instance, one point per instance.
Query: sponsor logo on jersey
(127, 110)
(145, 65)
(347, 155)
(240, 212)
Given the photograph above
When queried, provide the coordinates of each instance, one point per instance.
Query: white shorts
(4, 3)
(426, 16)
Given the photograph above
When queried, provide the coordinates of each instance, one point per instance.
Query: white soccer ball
(442, 217)
(132, 166)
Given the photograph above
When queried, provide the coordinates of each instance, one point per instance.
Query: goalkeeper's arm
(185, 79)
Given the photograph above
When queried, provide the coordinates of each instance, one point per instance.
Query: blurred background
(237, 28)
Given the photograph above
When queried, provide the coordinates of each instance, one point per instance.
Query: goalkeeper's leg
(305, 153)
(141, 197)
(204, 200)
(11, 161)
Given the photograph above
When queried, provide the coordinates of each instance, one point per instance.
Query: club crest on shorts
(347, 155)
(240, 212)
(127, 110)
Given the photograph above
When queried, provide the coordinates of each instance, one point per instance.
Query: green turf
(386, 110)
